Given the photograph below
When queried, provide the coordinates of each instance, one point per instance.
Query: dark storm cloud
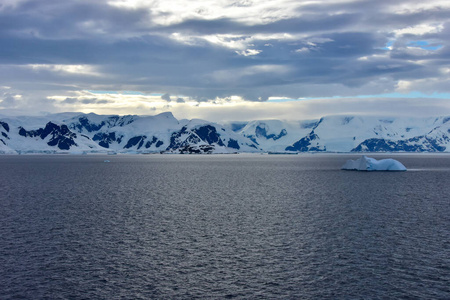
(70, 19)
(331, 48)
(166, 97)
(309, 23)
(71, 100)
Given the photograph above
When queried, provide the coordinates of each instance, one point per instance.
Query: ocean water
(223, 226)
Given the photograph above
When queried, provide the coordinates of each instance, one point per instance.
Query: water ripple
(240, 227)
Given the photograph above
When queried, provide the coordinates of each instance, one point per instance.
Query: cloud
(83, 101)
(315, 108)
(8, 101)
(166, 97)
(70, 100)
(88, 101)
(249, 52)
(52, 51)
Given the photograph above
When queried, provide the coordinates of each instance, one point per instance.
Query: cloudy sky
(225, 60)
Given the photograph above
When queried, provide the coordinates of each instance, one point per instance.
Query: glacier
(163, 133)
(371, 164)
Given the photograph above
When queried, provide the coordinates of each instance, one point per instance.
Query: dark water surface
(236, 226)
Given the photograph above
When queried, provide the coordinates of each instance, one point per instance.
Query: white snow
(293, 132)
(332, 133)
(371, 164)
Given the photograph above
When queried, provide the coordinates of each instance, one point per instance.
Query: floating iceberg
(371, 164)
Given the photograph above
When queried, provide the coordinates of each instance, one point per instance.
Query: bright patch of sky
(388, 45)
(424, 45)
(410, 95)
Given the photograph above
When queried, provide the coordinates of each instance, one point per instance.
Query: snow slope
(78, 133)
(373, 134)
(275, 135)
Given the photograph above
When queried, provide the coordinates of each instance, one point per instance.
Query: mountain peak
(91, 132)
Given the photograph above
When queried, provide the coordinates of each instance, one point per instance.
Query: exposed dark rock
(83, 122)
(61, 136)
(233, 144)
(25, 133)
(124, 120)
(416, 144)
(4, 125)
(137, 140)
(209, 134)
(304, 144)
(153, 141)
(253, 139)
(192, 149)
(261, 131)
(205, 133)
(105, 139)
(112, 121)
(175, 141)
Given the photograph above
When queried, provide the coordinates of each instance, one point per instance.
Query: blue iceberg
(371, 164)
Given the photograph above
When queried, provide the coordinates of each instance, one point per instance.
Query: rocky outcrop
(60, 135)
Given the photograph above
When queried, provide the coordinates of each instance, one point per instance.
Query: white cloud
(70, 69)
(302, 50)
(404, 86)
(176, 11)
(409, 7)
(249, 52)
(310, 109)
(228, 40)
(236, 108)
(420, 29)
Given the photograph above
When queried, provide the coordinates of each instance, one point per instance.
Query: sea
(223, 227)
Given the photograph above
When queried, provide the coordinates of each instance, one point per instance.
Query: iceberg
(371, 164)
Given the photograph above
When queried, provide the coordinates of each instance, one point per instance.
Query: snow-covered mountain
(79, 133)
(90, 133)
(351, 134)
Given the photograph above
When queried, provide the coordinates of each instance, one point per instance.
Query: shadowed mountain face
(164, 133)
(59, 136)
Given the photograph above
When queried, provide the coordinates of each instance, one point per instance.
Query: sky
(225, 60)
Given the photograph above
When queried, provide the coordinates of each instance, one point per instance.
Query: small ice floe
(106, 160)
(371, 164)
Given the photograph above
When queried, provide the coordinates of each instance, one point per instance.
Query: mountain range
(163, 133)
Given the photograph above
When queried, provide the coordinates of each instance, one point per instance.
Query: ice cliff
(371, 164)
